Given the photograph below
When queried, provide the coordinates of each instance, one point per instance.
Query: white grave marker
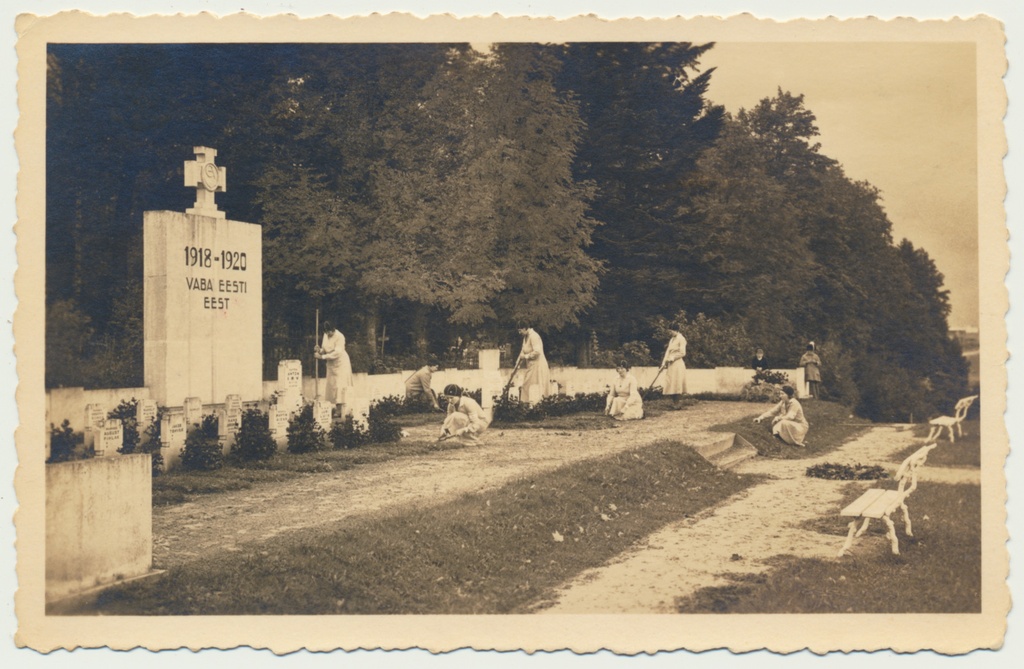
(289, 384)
(322, 414)
(172, 439)
(145, 414)
(193, 407)
(109, 437)
(95, 414)
(233, 413)
(278, 418)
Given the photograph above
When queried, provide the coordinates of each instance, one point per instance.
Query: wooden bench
(949, 422)
(879, 503)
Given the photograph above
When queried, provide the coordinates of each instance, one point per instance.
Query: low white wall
(70, 403)
(99, 524)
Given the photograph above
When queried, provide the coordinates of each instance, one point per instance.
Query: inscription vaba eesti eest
(203, 296)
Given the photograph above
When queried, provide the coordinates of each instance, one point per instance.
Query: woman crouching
(624, 402)
(466, 419)
(788, 422)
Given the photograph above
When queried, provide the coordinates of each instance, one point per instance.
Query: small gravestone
(193, 407)
(95, 414)
(145, 413)
(278, 419)
(233, 413)
(322, 414)
(109, 437)
(172, 438)
(359, 407)
(289, 384)
(489, 360)
(225, 436)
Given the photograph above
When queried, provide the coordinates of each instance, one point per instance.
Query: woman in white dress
(675, 368)
(535, 367)
(466, 419)
(624, 401)
(788, 421)
(339, 366)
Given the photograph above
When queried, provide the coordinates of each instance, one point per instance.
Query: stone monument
(203, 296)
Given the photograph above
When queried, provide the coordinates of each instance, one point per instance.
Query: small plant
(382, 429)
(348, 434)
(62, 442)
(304, 435)
(254, 441)
(841, 472)
(771, 376)
(202, 447)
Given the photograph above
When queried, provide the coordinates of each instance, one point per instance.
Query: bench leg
(906, 520)
(952, 437)
(849, 538)
(960, 429)
(892, 535)
(933, 433)
(864, 527)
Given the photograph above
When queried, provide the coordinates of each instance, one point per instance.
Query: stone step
(727, 452)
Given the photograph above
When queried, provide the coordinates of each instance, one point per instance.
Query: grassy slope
(831, 424)
(939, 571)
(964, 452)
(493, 552)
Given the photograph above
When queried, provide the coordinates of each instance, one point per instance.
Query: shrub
(771, 376)
(348, 434)
(202, 447)
(254, 441)
(304, 435)
(62, 442)
(761, 392)
(509, 409)
(126, 413)
(840, 472)
(382, 429)
(151, 441)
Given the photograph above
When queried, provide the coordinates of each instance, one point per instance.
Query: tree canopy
(589, 190)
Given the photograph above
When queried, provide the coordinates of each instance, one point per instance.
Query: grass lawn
(939, 571)
(491, 552)
(832, 425)
(178, 486)
(964, 452)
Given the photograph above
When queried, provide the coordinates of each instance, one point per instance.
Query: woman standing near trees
(339, 366)
(535, 366)
(812, 370)
(675, 368)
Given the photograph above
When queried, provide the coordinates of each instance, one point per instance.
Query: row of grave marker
(106, 435)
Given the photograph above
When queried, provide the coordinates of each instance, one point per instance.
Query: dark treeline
(431, 193)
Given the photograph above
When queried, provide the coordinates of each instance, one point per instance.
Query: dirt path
(738, 536)
(225, 522)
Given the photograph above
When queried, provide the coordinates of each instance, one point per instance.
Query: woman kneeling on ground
(788, 422)
(466, 419)
(624, 402)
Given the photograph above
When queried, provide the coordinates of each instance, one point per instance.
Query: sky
(901, 116)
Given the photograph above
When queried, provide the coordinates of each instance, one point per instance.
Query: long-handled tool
(651, 387)
(316, 361)
(511, 378)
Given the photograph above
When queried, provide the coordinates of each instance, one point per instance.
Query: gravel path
(226, 522)
(740, 535)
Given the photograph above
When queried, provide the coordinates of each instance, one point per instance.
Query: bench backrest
(909, 469)
(960, 410)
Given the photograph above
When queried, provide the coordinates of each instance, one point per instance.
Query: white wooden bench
(879, 503)
(949, 422)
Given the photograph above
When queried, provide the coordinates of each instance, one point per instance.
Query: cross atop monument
(207, 178)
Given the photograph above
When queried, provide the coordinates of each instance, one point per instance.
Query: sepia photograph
(397, 332)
